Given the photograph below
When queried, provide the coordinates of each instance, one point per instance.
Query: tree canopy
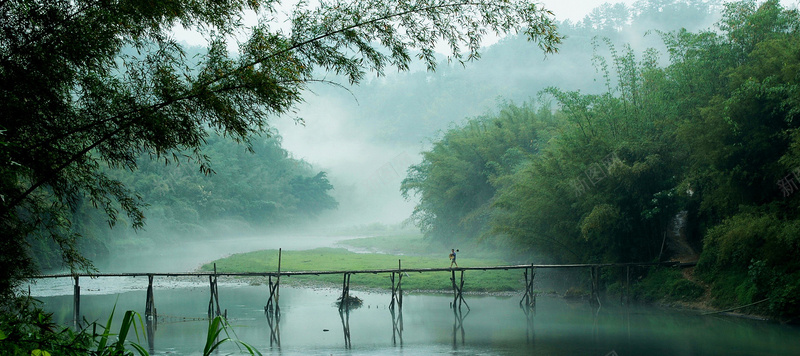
(701, 152)
(88, 84)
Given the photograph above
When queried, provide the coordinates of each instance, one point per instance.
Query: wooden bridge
(395, 277)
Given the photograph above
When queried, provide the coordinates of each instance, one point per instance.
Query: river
(309, 322)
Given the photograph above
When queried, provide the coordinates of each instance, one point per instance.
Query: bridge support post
(625, 295)
(76, 321)
(149, 305)
(345, 298)
(394, 291)
(212, 281)
(594, 277)
(150, 316)
(400, 286)
(529, 298)
(397, 290)
(274, 290)
(458, 297)
(627, 285)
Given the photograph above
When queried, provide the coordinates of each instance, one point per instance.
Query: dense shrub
(666, 284)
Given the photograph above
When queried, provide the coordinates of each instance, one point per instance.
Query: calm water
(310, 324)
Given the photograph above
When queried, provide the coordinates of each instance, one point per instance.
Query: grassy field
(411, 250)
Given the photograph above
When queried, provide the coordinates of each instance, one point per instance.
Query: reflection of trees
(345, 316)
(397, 326)
(274, 320)
(458, 325)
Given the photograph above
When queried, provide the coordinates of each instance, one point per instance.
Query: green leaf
(106, 331)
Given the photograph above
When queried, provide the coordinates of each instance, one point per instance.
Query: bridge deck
(369, 271)
(529, 298)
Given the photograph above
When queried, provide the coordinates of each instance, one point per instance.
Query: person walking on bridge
(453, 258)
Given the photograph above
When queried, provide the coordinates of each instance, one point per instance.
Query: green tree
(74, 100)
(743, 140)
(252, 188)
(458, 177)
(312, 194)
(604, 189)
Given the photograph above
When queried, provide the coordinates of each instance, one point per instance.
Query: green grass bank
(384, 252)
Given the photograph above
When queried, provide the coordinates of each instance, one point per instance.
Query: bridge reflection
(397, 326)
(274, 320)
(458, 326)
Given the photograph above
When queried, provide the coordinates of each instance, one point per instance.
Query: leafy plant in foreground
(118, 347)
(215, 327)
(32, 331)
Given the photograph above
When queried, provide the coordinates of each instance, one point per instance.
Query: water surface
(310, 324)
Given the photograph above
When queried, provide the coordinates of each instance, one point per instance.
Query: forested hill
(247, 191)
(711, 136)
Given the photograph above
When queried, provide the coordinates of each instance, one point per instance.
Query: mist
(366, 137)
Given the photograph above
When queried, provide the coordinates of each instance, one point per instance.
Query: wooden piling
(211, 300)
(455, 289)
(458, 297)
(214, 301)
(592, 291)
(625, 281)
(77, 304)
(460, 292)
(150, 307)
(594, 278)
(150, 330)
(271, 289)
(345, 298)
(274, 290)
(627, 284)
(400, 286)
(392, 302)
(529, 298)
(397, 289)
(278, 283)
